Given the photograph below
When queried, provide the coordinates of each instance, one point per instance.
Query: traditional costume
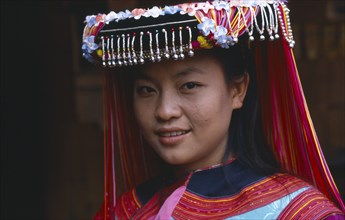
(224, 191)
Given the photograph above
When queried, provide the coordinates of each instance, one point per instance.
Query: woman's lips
(172, 134)
(171, 137)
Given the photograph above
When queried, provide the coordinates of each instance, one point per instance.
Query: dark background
(51, 127)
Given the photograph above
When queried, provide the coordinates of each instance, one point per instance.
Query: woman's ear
(239, 88)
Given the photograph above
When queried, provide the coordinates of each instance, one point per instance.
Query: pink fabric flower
(138, 12)
(188, 8)
(206, 7)
(100, 17)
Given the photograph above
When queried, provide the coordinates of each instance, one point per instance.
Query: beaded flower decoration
(108, 40)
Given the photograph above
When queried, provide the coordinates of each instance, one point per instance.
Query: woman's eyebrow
(187, 71)
(184, 72)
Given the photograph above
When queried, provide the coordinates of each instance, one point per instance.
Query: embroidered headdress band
(134, 37)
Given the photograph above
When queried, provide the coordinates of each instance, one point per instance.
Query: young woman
(224, 115)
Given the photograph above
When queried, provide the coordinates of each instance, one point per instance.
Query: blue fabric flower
(89, 44)
(90, 20)
(170, 10)
(110, 17)
(222, 38)
(207, 26)
(219, 5)
(123, 15)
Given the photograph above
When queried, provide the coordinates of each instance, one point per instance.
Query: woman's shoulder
(276, 196)
(303, 200)
(129, 202)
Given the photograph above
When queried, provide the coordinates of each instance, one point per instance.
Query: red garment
(279, 196)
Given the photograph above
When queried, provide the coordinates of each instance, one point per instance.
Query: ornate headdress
(133, 37)
(175, 32)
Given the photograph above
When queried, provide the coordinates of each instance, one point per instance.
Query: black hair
(246, 133)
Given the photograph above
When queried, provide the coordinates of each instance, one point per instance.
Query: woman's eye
(144, 90)
(190, 85)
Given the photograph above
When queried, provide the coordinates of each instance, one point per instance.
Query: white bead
(190, 53)
(166, 56)
(262, 37)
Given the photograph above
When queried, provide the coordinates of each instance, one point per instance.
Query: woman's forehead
(186, 65)
(200, 59)
(199, 65)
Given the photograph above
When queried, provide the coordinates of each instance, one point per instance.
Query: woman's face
(184, 110)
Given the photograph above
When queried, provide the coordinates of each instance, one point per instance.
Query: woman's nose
(168, 107)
